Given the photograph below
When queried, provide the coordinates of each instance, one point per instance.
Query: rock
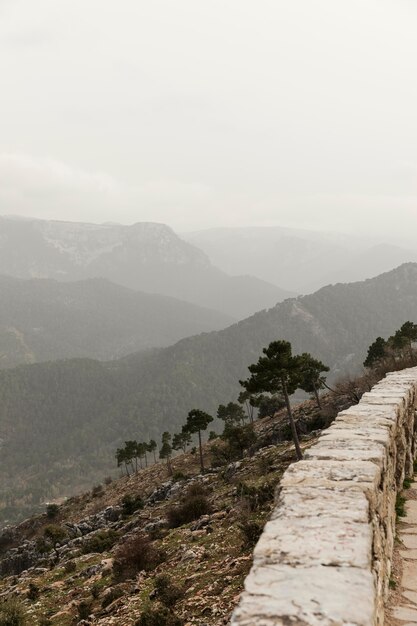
(231, 469)
(157, 524)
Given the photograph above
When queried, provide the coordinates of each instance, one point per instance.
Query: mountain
(42, 320)
(146, 256)
(299, 260)
(60, 422)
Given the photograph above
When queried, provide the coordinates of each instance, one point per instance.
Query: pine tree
(277, 372)
(311, 379)
(197, 421)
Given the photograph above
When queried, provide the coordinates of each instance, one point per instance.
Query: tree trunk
(127, 469)
(201, 452)
(316, 393)
(154, 456)
(292, 423)
(146, 460)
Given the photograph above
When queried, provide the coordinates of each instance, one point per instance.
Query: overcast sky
(202, 113)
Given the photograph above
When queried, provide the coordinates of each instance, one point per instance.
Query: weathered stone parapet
(324, 558)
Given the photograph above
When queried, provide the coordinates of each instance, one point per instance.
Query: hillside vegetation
(43, 320)
(61, 422)
(150, 546)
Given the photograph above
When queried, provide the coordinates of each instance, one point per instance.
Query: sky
(203, 113)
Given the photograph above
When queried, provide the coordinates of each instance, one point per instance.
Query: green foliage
(193, 504)
(377, 352)
(407, 483)
(130, 504)
(54, 533)
(238, 439)
(251, 531)
(33, 592)
(111, 595)
(232, 414)
(52, 511)
(400, 506)
(198, 421)
(12, 613)
(84, 609)
(269, 405)
(70, 567)
(102, 541)
(79, 410)
(256, 495)
(177, 476)
(135, 555)
(97, 491)
(181, 440)
(166, 591)
(159, 616)
(396, 347)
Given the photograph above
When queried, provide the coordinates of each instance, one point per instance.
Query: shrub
(251, 531)
(135, 555)
(33, 592)
(84, 609)
(54, 533)
(130, 504)
(400, 506)
(111, 595)
(70, 567)
(108, 480)
(97, 491)
(177, 476)
(193, 505)
(159, 617)
(101, 542)
(52, 510)
(212, 435)
(256, 496)
(12, 614)
(166, 591)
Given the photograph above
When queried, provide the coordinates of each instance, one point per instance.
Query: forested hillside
(44, 320)
(61, 422)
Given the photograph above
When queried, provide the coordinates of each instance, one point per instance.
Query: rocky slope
(80, 562)
(145, 256)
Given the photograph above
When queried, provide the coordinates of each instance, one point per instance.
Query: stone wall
(324, 558)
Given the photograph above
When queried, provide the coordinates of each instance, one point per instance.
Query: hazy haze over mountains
(145, 256)
(299, 260)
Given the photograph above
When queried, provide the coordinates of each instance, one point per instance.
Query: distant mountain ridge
(300, 260)
(75, 412)
(145, 256)
(42, 320)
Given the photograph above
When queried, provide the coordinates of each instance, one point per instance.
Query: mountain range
(146, 256)
(43, 319)
(300, 260)
(60, 422)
